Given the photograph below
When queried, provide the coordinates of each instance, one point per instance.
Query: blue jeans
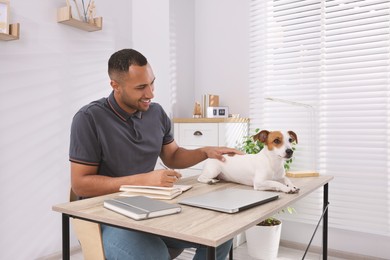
(121, 244)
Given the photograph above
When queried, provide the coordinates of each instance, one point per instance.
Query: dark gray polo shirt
(121, 144)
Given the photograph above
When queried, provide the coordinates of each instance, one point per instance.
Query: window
(321, 68)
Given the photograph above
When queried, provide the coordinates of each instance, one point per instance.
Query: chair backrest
(89, 235)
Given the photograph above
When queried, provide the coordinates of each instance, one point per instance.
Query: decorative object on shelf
(88, 11)
(91, 11)
(209, 100)
(217, 112)
(86, 15)
(197, 110)
(78, 11)
(211, 107)
(8, 32)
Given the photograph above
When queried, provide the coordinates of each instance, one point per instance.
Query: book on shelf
(301, 174)
(209, 100)
(154, 192)
(141, 207)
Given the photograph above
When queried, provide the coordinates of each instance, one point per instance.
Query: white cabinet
(192, 133)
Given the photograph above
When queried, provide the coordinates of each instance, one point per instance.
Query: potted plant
(263, 239)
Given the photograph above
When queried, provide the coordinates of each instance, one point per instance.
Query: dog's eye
(277, 141)
(291, 140)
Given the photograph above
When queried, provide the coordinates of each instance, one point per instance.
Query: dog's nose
(289, 153)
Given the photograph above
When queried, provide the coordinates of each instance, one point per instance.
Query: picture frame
(4, 16)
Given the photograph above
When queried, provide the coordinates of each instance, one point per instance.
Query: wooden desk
(196, 225)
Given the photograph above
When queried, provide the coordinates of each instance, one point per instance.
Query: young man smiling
(117, 140)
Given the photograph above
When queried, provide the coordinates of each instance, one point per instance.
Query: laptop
(230, 200)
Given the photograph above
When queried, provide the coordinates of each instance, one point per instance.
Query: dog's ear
(293, 136)
(261, 136)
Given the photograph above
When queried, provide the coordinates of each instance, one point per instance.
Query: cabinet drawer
(198, 134)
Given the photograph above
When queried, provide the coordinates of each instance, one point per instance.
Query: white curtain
(322, 69)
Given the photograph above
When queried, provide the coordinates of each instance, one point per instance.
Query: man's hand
(218, 152)
(87, 183)
(180, 158)
(163, 178)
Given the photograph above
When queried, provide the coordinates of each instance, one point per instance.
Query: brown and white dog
(263, 171)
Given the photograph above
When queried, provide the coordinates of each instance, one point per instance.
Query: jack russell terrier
(263, 171)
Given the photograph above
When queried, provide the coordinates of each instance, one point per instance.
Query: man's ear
(114, 84)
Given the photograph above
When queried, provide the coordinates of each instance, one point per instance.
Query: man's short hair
(120, 61)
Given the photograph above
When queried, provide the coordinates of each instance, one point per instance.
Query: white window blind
(322, 69)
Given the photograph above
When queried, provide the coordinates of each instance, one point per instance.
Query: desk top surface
(197, 225)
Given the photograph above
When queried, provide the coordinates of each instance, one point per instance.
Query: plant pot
(239, 240)
(263, 241)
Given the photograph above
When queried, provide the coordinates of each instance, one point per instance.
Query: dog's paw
(207, 180)
(212, 181)
(293, 190)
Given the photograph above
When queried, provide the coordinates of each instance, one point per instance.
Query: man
(117, 140)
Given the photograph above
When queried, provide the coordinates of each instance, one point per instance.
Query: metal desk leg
(211, 253)
(65, 237)
(324, 218)
(325, 224)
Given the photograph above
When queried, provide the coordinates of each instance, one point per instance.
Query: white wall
(222, 52)
(45, 77)
(166, 34)
(150, 30)
(182, 44)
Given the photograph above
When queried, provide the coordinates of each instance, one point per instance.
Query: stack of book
(154, 192)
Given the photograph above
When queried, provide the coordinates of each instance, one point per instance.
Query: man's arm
(177, 157)
(87, 183)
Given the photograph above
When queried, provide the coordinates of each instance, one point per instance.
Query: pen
(163, 165)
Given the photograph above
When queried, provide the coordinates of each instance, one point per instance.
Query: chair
(89, 235)
(90, 238)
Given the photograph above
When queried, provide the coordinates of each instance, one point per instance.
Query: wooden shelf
(13, 33)
(64, 16)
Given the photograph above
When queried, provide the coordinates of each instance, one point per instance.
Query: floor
(240, 253)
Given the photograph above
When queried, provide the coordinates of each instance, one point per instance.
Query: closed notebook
(141, 207)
